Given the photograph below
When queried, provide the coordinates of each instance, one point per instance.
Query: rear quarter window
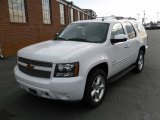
(140, 28)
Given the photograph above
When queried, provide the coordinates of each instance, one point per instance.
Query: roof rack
(115, 17)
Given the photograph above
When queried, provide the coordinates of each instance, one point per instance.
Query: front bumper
(55, 88)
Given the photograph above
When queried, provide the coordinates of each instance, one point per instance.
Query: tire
(95, 88)
(140, 62)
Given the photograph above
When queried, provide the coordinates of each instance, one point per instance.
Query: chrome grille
(35, 62)
(30, 67)
(34, 72)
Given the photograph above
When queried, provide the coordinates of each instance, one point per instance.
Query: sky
(126, 8)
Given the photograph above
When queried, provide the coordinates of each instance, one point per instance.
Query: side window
(130, 30)
(116, 30)
(140, 29)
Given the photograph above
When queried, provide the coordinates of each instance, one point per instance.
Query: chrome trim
(116, 62)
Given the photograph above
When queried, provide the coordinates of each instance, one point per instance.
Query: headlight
(67, 70)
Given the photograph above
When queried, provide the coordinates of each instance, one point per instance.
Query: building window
(17, 11)
(87, 17)
(78, 15)
(83, 17)
(46, 11)
(72, 16)
(62, 19)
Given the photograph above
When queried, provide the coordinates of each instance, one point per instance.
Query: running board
(120, 74)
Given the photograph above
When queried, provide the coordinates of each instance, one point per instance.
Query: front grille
(34, 72)
(35, 62)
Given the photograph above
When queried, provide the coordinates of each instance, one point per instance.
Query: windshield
(85, 32)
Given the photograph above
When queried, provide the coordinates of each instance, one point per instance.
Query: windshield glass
(85, 32)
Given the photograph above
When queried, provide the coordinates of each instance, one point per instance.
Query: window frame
(23, 11)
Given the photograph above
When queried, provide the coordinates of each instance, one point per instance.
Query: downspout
(1, 56)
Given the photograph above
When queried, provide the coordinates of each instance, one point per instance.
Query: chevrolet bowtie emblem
(30, 66)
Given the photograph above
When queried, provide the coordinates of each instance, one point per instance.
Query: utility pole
(138, 16)
(157, 16)
(144, 16)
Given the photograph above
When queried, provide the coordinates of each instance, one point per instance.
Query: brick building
(91, 12)
(25, 22)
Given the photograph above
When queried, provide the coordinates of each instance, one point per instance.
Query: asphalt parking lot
(133, 97)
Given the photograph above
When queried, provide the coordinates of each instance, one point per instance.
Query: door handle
(127, 46)
(138, 42)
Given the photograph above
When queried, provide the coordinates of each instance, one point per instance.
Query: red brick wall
(75, 15)
(14, 36)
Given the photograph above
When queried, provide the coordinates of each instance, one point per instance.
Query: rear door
(131, 44)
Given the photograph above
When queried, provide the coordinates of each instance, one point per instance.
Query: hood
(54, 51)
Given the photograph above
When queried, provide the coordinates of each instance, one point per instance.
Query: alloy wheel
(98, 88)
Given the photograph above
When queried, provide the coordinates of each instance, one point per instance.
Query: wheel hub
(98, 88)
(140, 62)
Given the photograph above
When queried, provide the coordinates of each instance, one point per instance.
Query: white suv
(82, 59)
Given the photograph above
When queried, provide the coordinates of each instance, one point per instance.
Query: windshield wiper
(60, 38)
(72, 39)
(78, 39)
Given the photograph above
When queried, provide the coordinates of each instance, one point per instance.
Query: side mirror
(56, 35)
(119, 38)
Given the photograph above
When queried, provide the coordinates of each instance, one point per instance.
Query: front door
(118, 51)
